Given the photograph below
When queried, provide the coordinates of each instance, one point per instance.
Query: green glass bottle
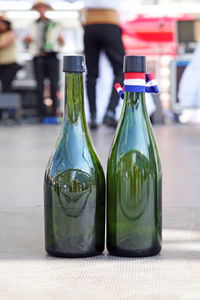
(134, 179)
(74, 184)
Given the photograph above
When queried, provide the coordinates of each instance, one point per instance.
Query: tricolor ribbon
(120, 90)
(138, 82)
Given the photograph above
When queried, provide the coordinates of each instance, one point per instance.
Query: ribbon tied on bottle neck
(138, 83)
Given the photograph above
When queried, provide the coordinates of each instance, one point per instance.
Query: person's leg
(92, 50)
(5, 79)
(1, 83)
(52, 67)
(8, 74)
(39, 76)
(114, 50)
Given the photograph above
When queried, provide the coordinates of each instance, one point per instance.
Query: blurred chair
(12, 103)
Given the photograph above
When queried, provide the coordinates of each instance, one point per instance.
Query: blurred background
(166, 31)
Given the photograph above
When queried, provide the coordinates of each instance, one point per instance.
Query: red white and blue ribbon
(138, 82)
(120, 90)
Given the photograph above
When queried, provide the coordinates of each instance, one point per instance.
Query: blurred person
(8, 54)
(189, 89)
(100, 20)
(44, 41)
(189, 86)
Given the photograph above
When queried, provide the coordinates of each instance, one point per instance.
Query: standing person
(8, 54)
(102, 32)
(44, 41)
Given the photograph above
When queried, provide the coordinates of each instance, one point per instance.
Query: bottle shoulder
(134, 139)
(73, 153)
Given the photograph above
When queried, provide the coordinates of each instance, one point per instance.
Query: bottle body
(134, 183)
(74, 185)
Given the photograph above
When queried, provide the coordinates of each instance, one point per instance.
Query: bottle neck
(74, 99)
(135, 104)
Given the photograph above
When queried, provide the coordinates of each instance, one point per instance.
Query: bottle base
(73, 255)
(135, 253)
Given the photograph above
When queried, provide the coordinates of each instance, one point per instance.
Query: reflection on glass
(134, 184)
(72, 189)
(74, 186)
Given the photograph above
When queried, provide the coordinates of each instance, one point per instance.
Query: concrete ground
(27, 273)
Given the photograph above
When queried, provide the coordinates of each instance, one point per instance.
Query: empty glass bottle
(74, 184)
(134, 179)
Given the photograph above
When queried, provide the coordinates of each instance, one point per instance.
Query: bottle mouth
(74, 63)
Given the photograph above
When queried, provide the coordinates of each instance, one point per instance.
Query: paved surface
(26, 273)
